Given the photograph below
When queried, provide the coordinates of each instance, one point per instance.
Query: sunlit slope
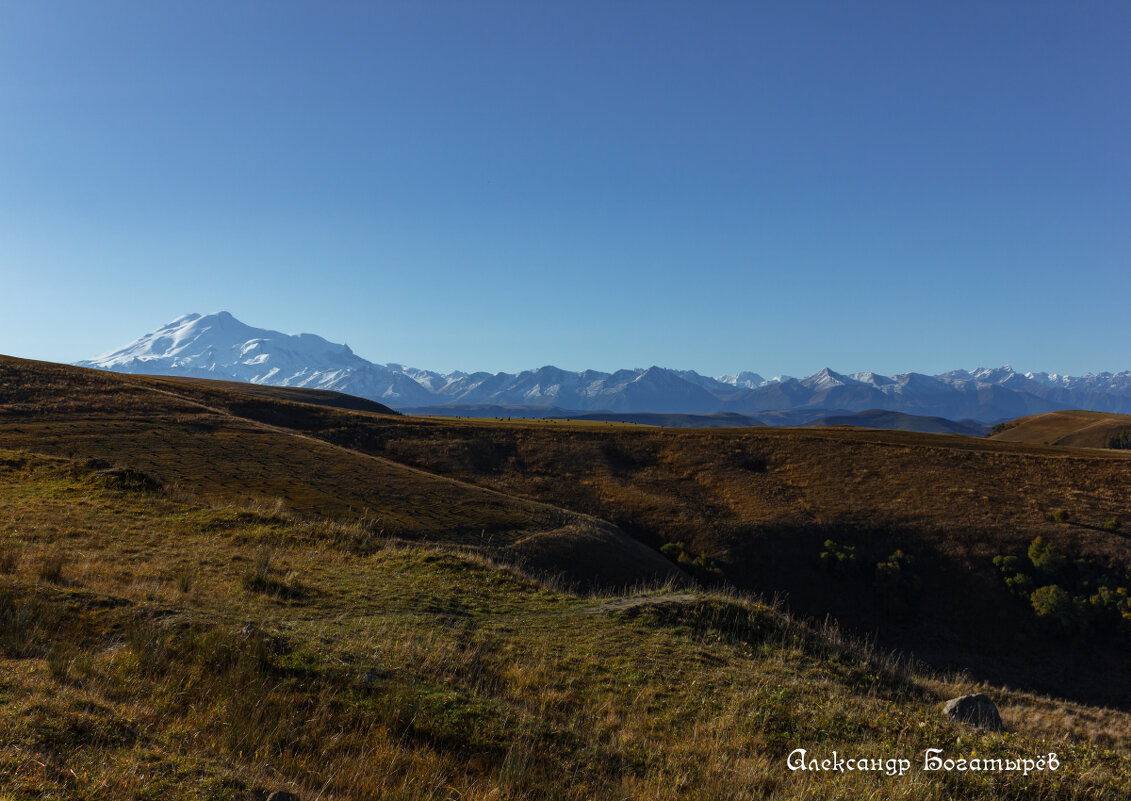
(232, 447)
(154, 646)
(1073, 428)
(753, 507)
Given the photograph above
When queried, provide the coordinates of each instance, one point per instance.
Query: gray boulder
(975, 710)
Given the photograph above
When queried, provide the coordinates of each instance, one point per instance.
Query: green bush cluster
(837, 558)
(1081, 597)
(698, 565)
(1120, 441)
(897, 581)
(895, 578)
(897, 572)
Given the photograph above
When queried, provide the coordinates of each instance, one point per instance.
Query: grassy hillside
(156, 645)
(208, 440)
(759, 506)
(1073, 428)
(318, 397)
(920, 541)
(673, 420)
(899, 421)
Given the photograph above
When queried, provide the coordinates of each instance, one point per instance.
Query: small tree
(1052, 602)
(1045, 557)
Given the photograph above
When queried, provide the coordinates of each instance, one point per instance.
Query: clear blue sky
(481, 185)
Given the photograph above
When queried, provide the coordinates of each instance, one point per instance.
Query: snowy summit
(220, 346)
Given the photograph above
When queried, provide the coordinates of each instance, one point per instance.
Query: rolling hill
(213, 591)
(752, 507)
(672, 420)
(236, 443)
(898, 421)
(1074, 428)
(157, 646)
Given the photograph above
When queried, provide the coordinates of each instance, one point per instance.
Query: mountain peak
(182, 320)
(826, 379)
(218, 345)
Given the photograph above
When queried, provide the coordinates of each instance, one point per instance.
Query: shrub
(897, 581)
(1019, 583)
(896, 571)
(837, 557)
(1061, 516)
(1054, 603)
(700, 566)
(1111, 525)
(1008, 564)
(672, 550)
(1045, 557)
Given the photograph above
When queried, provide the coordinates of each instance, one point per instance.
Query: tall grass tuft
(51, 567)
(185, 579)
(9, 559)
(258, 576)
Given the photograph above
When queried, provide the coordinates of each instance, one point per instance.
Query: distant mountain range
(220, 346)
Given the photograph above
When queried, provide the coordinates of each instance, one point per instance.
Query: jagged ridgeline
(220, 346)
(220, 590)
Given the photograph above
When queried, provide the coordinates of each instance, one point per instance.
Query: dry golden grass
(1074, 428)
(417, 671)
(757, 504)
(760, 503)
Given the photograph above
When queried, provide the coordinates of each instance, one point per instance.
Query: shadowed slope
(761, 504)
(183, 652)
(915, 520)
(898, 421)
(318, 397)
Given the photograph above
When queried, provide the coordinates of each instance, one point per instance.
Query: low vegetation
(1072, 428)
(1073, 597)
(207, 593)
(417, 671)
(595, 503)
(1119, 441)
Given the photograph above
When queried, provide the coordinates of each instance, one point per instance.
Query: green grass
(417, 671)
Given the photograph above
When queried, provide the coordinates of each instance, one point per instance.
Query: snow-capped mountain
(744, 380)
(220, 346)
